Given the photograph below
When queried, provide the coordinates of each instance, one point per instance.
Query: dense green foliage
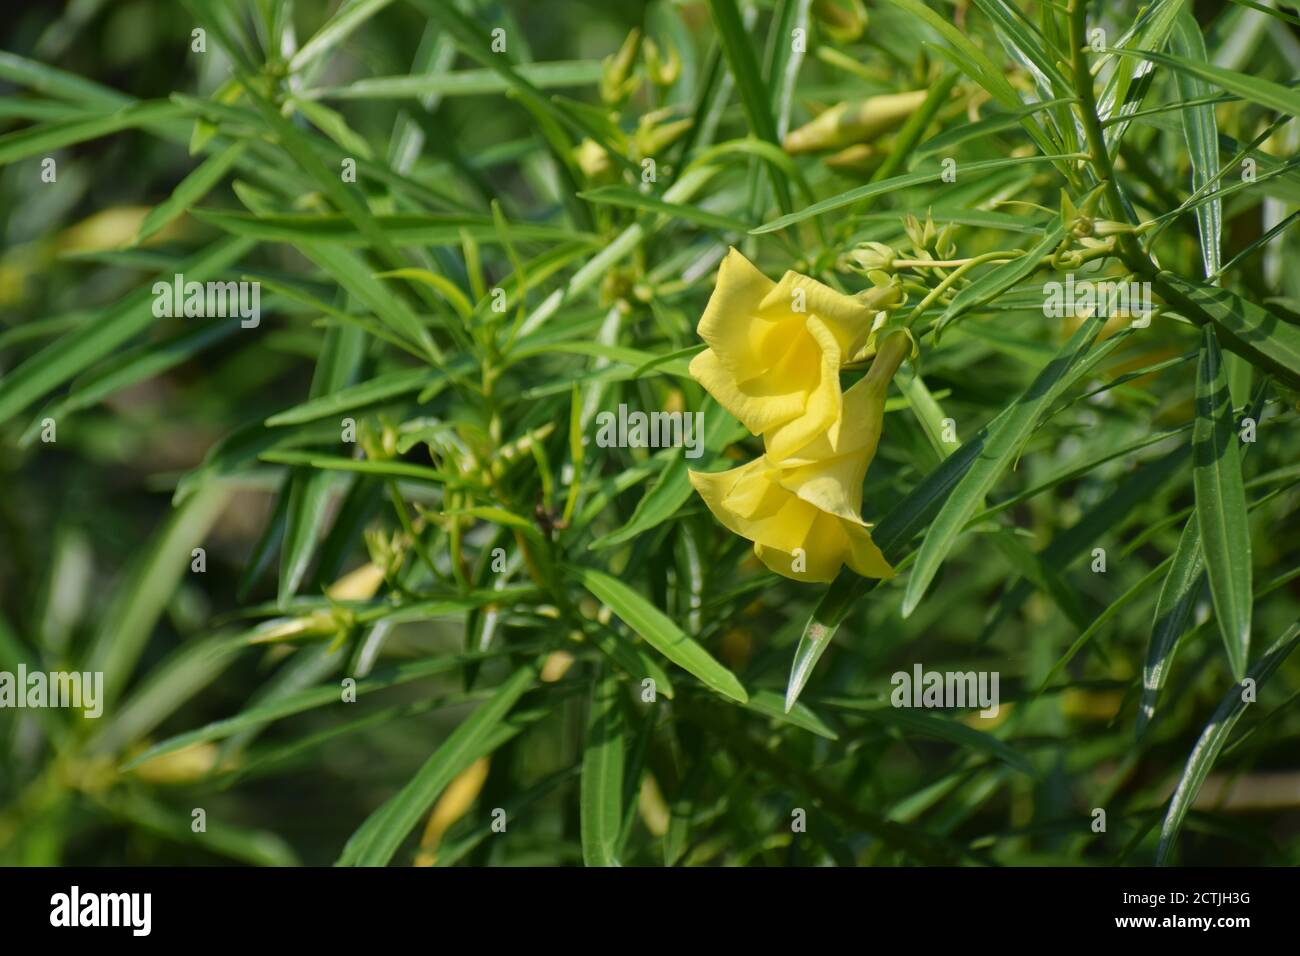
(422, 580)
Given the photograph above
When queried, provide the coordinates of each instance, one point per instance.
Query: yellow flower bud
(854, 122)
(180, 766)
(358, 585)
(451, 806)
(592, 159)
(860, 158)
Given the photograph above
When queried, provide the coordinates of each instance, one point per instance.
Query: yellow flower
(775, 351)
(803, 513)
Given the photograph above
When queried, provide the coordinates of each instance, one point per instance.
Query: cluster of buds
(879, 261)
(1084, 231)
(620, 80)
(928, 242)
(619, 77)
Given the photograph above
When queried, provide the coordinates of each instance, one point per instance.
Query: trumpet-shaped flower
(803, 513)
(776, 348)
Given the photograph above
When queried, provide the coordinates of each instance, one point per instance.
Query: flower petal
(761, 404)
(728, 324)
(847, 318)
(823, 403)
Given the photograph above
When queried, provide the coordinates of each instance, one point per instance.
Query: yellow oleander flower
(804, 513)
(776, 348)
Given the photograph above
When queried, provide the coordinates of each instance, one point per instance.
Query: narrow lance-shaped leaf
(601, 808)
(754, 96)
(1213, 738)
(1003, 442)
(1221, 504)
(1184, 587)
(309, 488)
(190, 190)
(1258, 335)
(1202, 134)
(97, 339)
(376, 840)
(659, 631)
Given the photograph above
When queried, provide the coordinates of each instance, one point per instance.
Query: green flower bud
(664, 68)
(870, 257)
(617, 80)
(845, 20)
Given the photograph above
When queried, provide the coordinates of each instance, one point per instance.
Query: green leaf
(364, 466)
(1221, 504)
(352, 274)
(338, 28)
(974, 60)
(754, 95)
(130, 368)
(672, 488)
(278, 707)
(1212, 739)
(634, 199)
(659, 631)
(601, 791)
(378, 838)
(784, 58)
(772, 705)
(416, 229)
(1275, 96)
(47, 137)
(190, 190)
(1005, 438)
(554, 75)
(136, 607)
(1264, 339)
(945, 728)
(51, 81)
(895, 183)
(1183, 586)
(1001, 277)
(340, 357)
(85, 345)
(1202, 134)
(381, 388)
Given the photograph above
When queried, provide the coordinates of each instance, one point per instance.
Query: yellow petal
(823, 402)
(760, 403)
(728, 322)
(864, 557)
(791, 536)
(846, 317)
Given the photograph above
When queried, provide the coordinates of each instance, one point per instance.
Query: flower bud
(617, 80)
(859, 158)
(664, 68)
(854, 122)
(592, 159)
(653, 137)
(870, 257)
(845, 20)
